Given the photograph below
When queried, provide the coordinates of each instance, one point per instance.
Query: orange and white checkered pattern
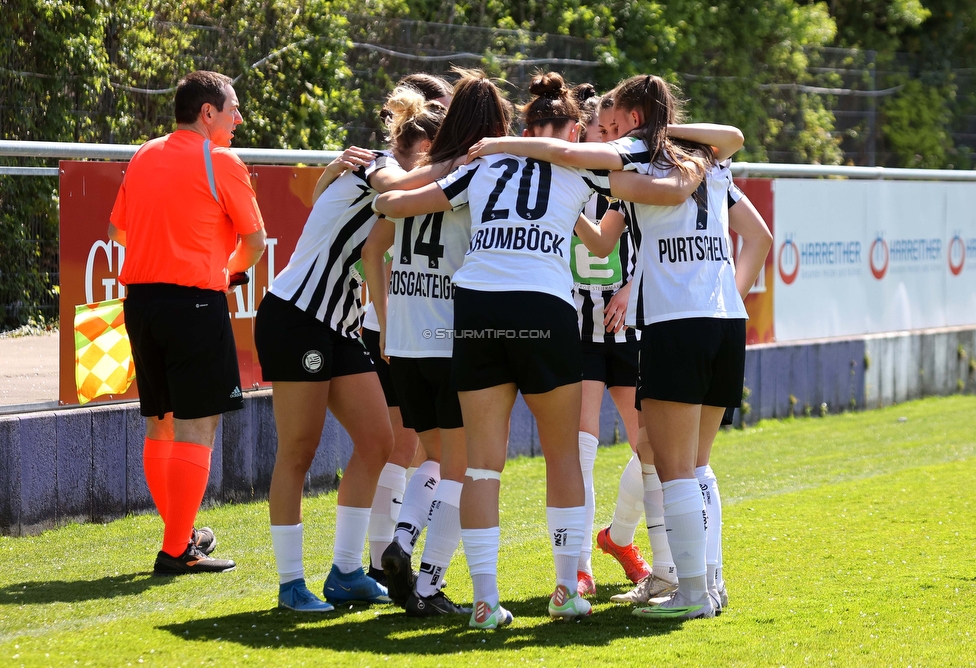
(103, 358)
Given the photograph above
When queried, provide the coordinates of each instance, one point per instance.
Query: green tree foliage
(915, 122)
(288, 61)
(938, 36)
(724, 54)
(105, 72)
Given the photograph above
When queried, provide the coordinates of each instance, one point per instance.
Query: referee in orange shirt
(188, 218)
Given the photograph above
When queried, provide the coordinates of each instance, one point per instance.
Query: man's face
(223, 123)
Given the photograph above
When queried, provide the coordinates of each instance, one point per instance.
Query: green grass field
(849, 541)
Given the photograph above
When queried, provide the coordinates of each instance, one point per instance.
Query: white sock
(630, 504)
(287, 542)
(713, 518)
(566, 537)
(481, 553)
(350, 536)
(684, 515)
(416, 504)
(443, 536)
(588, 443)
(386, 508)
(662, 564)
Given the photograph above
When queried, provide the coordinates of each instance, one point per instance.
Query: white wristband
(372, 205)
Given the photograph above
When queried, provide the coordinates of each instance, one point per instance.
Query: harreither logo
(878, 257)
(957, 254)
(906, 255)
(788, 260)
(820, 259)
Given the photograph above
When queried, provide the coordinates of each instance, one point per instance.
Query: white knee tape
(483, 474)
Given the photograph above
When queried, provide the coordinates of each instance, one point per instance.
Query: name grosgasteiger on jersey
(522, 214)
(685, 267)
(427, 251)
(321, 278)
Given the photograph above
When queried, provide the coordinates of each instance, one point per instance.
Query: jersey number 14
(430, 246)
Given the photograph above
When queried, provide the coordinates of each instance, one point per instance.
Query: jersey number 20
(522, 208)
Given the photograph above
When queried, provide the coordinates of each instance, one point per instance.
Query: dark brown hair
(196, 89)
(659, 105)
(478, 110)
(588, 101)
(553, 104)
(411, 118)
(430, 87)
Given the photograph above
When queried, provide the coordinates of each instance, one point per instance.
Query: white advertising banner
(858, 257)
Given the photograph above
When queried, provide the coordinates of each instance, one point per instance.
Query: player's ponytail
(477, 111)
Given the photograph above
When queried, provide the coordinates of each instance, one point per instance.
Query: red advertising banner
(90, 263)
(759, 302)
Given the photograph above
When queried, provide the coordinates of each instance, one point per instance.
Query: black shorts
(294, 346)
(184, 351)
(527, 338)
(371, 339)
(613, 364)
(693, 361)
(429, 400)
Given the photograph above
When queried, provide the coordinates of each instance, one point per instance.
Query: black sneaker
(191, 561)
(204, 539)
(377, 574)
(399, 576)
(430, 606)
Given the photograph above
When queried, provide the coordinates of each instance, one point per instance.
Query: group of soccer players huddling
(592, 252)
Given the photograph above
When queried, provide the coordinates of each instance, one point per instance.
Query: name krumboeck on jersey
(518, 238)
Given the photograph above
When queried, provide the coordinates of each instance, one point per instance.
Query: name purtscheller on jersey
(692, 249)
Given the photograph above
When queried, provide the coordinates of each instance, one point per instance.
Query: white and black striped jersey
(685, 267)
(370, 321)
(522, 216)
(597, 279)
(320, 277)
(427, 251)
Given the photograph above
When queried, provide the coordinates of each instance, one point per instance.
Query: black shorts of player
(371, 338)
(693, 361)
(613, 364)
(527, 338)
(184, 352)
(729, 417)
(428, 399)
(294, 346)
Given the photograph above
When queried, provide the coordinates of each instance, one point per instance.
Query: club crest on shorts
(312, 361)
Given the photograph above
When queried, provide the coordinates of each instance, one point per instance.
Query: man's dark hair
(196, 89)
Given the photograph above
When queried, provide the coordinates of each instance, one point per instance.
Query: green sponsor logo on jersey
(592, 271)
